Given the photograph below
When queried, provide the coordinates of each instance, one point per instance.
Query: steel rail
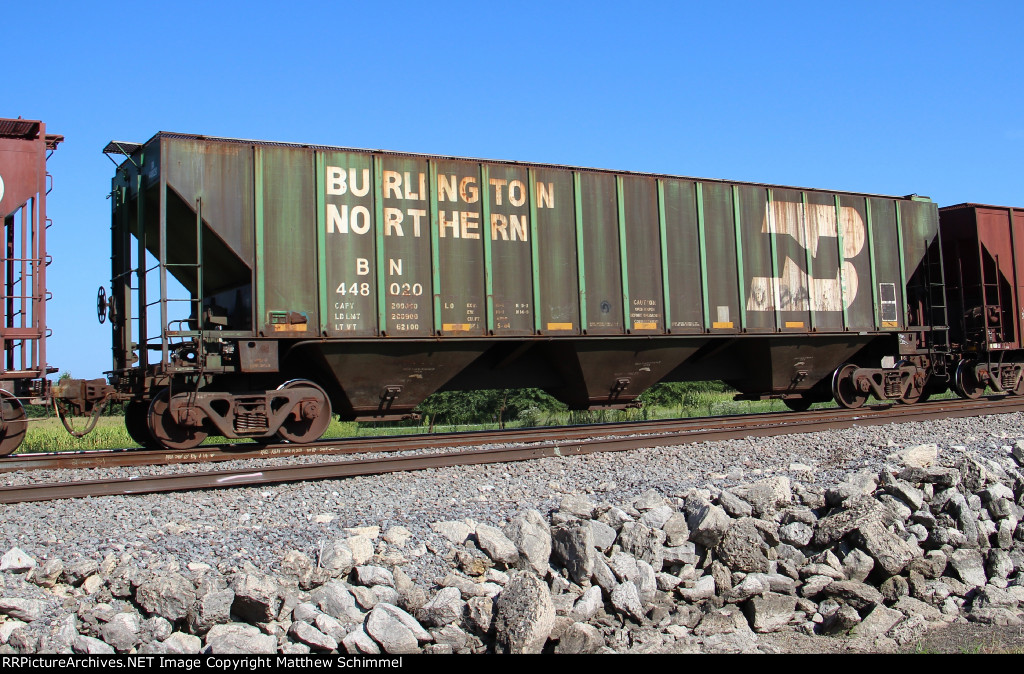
(339, 469)
(395, 443)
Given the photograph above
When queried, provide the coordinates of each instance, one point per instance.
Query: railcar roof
(129, 148)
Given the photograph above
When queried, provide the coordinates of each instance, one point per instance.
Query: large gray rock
(311, 636)
(680, 554)
(444, 608)
(213, 608)
(123, 632)
(332, 627)
(60, 636)
(910, 606)
(239, 638)
(455, 531)
(604, 576)
(770, 612)
(337, 558)
(336, 600)
(624, 566)
(904, 491)
(742, 548)
(798, 534)
(752, 585)
(919, 456)
(858, 595)
(480, 614)
(84, 645)
(77, 571)
(768, 495)
(734, 505)
(168, 595)
(374, 575)
(532, 537)
(392, 633)
(523, 615)
(646, 581)
(358, 642)
(16, 560)
(989, 597)
(496, 545)
(183, 644)
(876, 623)
(587, 606)
(995, 615)
(256, 598)
(411, 596)
(888, 550)
(577, 506)
(909, 630)
(580, 638)
(969, 566)
(22, 609)
(469, 588)
(46, 575)
(603, 535)
(846, 618)
(859, 512)
(708, 525)
(643, 542)
(941, 476)
(703, 588)
(297, 567)
(857, 565)
(573, 546)
(677, 531)
(626, 600)
(656, 518)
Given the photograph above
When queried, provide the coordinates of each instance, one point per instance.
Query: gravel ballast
(252, 531)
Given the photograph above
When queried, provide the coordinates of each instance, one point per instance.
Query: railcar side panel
(786, 223)
(687, 295)
(346, 202)
(406, 265)
(287, 243)
(754, 245)
(720, 242)
(459, 284)
(601, 245)
(560, 290)
(640, 233)
(510, 197)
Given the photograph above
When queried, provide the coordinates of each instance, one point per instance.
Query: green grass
(48, 435)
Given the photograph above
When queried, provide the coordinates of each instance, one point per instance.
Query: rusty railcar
(315, 280)
(24, 184)
(983, 257)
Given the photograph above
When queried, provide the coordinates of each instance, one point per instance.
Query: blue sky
(886, 97)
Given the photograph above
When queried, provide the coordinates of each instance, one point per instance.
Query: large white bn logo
(1, 188)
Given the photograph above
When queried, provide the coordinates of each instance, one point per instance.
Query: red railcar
(24, 184)
(983, 260)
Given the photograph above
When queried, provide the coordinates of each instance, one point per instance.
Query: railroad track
(413, 452)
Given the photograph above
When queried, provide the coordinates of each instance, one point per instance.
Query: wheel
(166, 430)
(136, 422)
(13, 431)
(917, 392)
(966, 383)
(314, 415)
(801, 404)
(844, 390)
